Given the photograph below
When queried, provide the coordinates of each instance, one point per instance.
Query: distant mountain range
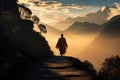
(83, 28)
(101, 16)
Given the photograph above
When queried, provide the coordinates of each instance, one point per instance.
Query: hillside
(112, 27)
(19, 43)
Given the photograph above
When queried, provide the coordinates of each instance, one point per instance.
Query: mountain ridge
(83, 28)
(112, 26)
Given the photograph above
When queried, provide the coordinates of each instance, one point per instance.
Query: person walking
(62, 45)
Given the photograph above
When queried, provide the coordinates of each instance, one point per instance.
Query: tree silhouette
(90, 66)
(35, 19)
(25, 12)
(42, 28)
(110, 69)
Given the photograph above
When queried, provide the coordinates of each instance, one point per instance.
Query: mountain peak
(104, 8)
(117, 5)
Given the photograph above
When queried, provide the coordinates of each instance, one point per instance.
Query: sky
(54, 11)
(87, 2)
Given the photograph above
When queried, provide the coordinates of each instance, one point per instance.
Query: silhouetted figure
(62, 45)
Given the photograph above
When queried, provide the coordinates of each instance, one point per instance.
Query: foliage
(35, 19)
(91, 67)
(110, 69)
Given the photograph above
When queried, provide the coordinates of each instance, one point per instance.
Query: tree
(25, 12)
(42, 28)
(35, 19)
(110, 69)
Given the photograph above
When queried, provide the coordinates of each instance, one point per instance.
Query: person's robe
(62, 45)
